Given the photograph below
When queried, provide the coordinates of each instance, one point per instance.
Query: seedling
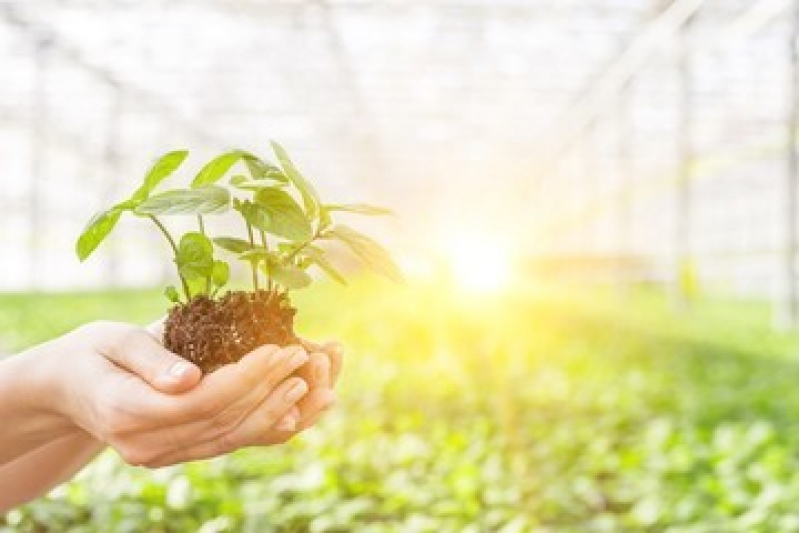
(284, 226)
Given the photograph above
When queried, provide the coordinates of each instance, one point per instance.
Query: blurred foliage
(549, 411)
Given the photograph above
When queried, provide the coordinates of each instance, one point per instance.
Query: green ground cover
(550, 412)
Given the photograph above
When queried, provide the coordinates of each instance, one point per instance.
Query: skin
(111, 384)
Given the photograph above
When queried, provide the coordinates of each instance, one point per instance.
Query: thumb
(140, 353)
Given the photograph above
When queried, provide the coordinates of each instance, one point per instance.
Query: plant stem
(175, 251)
(265, 244)
(252, 263)
(201, 223)
(297, 250)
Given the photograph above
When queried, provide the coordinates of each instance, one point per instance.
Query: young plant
(284, 226)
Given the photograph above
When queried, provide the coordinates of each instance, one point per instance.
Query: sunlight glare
(480, 265)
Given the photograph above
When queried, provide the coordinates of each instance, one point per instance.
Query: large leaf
(309, 197)
(161, 169)
(216, 168)
(195, 257)
(204, 200)
(289, 277)
(232, 244)
(96, 231)
(261, 170)
(286, 218)
(361, 209)
(367, 250)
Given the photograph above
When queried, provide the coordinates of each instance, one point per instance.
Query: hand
(109, 388)
(320, 372)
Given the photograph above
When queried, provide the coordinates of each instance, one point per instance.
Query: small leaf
(96, 231)
(254, 214)
(328, 269)
(216, 168)
(238, 179)
(254, 185)
(367, 250)
(208, 199)
(325, 220)
(256, 254)
(220, 273)
(309, 197)
(161, 169)
(172, 294)
(312, 251)
(286, 218)
(196, 286)
(232, 244)
(195, 257)
(360, 209)
(261, 170)
(289, 277)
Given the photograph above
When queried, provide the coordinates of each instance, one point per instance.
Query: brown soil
(213, 333)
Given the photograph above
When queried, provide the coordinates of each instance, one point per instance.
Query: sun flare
(481, 266)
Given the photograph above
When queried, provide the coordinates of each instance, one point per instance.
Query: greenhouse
(587, 212)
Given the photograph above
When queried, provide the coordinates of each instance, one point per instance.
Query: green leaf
(309, 197)
(232, 244)
(172, 294)
(311, 251)
(220, 273)
(261, 170)
(286, 218)
(256, 254)
(253, 185)
(325, 221)
(208, 199)
(360, 209)
(328, 268)
(96, 231)
(216, 168)
(289, 277)
(367, 250)
(195, 256)
(254, 214)
(161, 169)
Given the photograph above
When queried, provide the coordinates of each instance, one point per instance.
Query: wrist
(30, 392)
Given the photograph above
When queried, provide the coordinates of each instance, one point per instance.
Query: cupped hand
(124, 388)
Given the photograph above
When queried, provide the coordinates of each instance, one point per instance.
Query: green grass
(540, 411)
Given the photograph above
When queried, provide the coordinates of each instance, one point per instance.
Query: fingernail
(329, 399)
(287, 424)
(179, 370)
(320, 370)
(296, 391)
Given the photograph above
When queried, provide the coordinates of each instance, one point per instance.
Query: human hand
(125, 389)
(320, 372)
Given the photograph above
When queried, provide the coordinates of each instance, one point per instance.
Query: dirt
(213, 333)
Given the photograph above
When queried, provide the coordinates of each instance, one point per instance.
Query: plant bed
(284, 229)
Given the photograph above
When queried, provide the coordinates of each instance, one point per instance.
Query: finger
(156, 329)
(317, 371)
(222, 400)
(289, 422)
(314, 405)
(138, 352)
(258, 428)
(335, 351)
